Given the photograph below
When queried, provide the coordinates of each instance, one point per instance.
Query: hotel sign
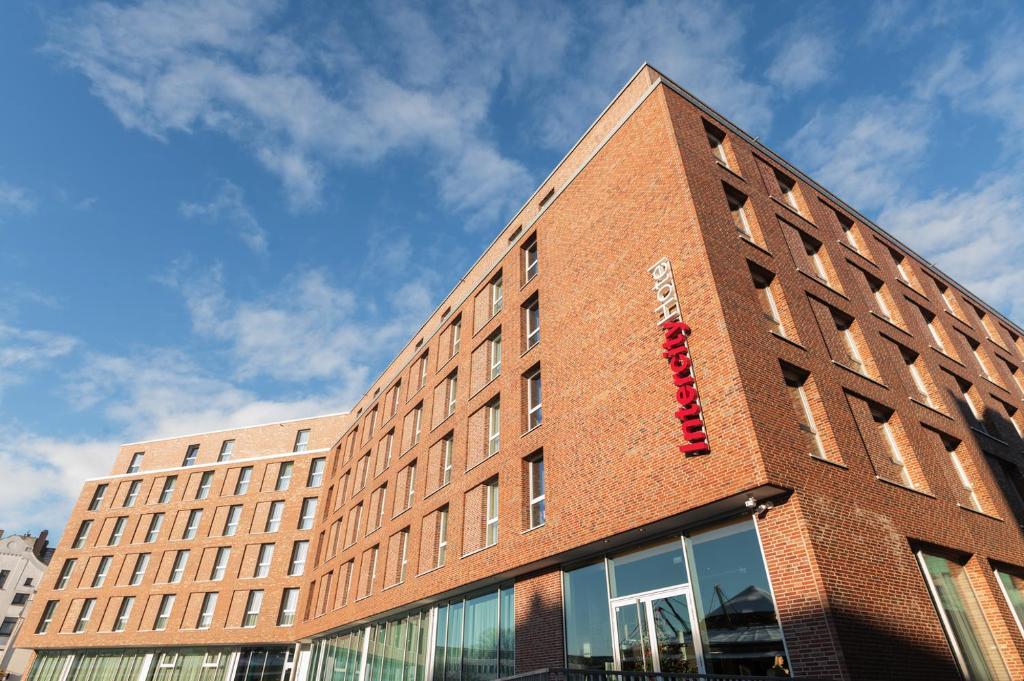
(677, 352)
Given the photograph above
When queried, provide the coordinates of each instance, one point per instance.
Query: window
(442, 536)
(227, 448)
(763, 284)
(316, 473)
(787, 189)
(446, 458)
(403, 554)
(534, 414)
(252, 608)
(968, 633)
(497, 295)
(852, 358)
(192, 524)
(738, 209)
(231, 522)
(62, 579)
(308, 514)
(922, 394)
(451, 390)
(297, 565)
(975, 407)
(164, 612)
(204, 485)
(289, 604)
(266, 554)
(532, 312)
(949, 300)
(84, 614)
(244, 478)
(491, 513)
(716, 140)
(882, 419)
(410, 487)
(101, 572)
(850, 236)
(118, 531)
(301, 440)
(136, 465)
(284, 476)
(417, 422)
(97, 497)
(1012, 586)
(396, 394)
(878, 291)
(7, 626)
(933, 329)
(530, 259)
(44, 621)
(133, 493)
(535, 474)
(493, 427)
(191, 454)
(220, 563)
(966, 496)
(139, 571)
(494, 354)
(4, 574)
(796, 381)
(178, 568)
(83, 534)
(206, 610)
(20, 599)
(455, 337)
(422, 371)
(168, 489)
(156, 521)
(274, 516)
(981, 360)
(813, 250)
(124, 611)
(381, 494)
(28, 581)
(389, 448)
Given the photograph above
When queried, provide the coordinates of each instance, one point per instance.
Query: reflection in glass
(631, 632)
(673, 635)
(1013, 589)
(588, 642)
(653, 567)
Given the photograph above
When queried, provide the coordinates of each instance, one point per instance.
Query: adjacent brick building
(819, 474)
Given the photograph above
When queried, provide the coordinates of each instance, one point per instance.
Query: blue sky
(218, 213)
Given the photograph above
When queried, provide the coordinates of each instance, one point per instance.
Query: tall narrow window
(716, 140)
(124, 611)
(382, 494)
(101, 572)
(532, 313)
(403, 554)
(191, 454)
(168, 489)
(417, 423)
(82, 535)
(139, 571)
(787, 189)
(164, 612)
(911, 359)
(452, 390)
(410, 484)
(537, 509)
(97, 497)
(1012, 586)
(192, 524)
(975, 407)
(206, 610)
(227, 448)
(136, 464)
(252, 608)
(966, 495)
(530, 259)
(289, 604)
(118, 531)
(316, 473)
(297, 565)
(981, 360)
(796, 383)
(84, 615)
(284, 476)
(813, 250)
(447, 445)
(497, 295)
(455, 337)
(901, 268)
(389, 449)
(493, 427)
(491, 515)
(882, 419)
(949, 300)
(231, 523)
(65, 574)
(301, 440)
(422, 371)
(205, 482)
(396, 397)
(738, 209)
(494, 354)
(220, 563)
(308, 514)
(442, 536)
(244, 478)
(878, 291)
(274, 516)
(850, 235)
(534, 413)
(844, 325)
(263, 560)
(962, 617)
(763, 284)
(932, 324)
(133, 493)
(44, 621)
(178, 568)
(156, 521)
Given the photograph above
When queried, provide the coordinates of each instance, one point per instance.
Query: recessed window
(396, 397)
(403, 554)
(84, 615)
(206, 610)
(156, 521)
(191, 454)
(62, 579)
(852, 357)
(535, 481)
(877, 288)
(178, 568)
(850, 235)
(422, 371)
(167, 491)
(1012, 585)
(263, 560)
(883, 421)
(308, 514)
(494, 355)
(284, 476)
(547, 198)
(417, 423)
(491, 513)
(136, 465)
(124, 611)
(534, 412)
(118, 531)
(763, 281)
(20, 599)
(97, 497)
(447, 444)
(289, 604)
(139, 571)
(796, 384)
(531, 312)
(530, 261)
(82, 535)
(101, 572)
(205, 481)
(966, 494)
(916, 369)
(716, 140)
(297, 565)
(316, 473)
(442, 536)
(47, 618)
(220, 563)
(274, 516)
(164, 612)
(133, 493)
(451, 392)
(497, 293)
(232, 520)
(192, 524)
(244, 478)
(455, 337)
(227, 449)
(493, 427)
(738, 209)
(787, 189)
(301, 440)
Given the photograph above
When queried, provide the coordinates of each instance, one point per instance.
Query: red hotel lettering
(689, 413)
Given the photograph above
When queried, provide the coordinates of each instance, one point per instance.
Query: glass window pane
(453, 660)
(1013, 587)
(588, 641)
(480, 662)
(440, 642)
(646, 569)
(507, 633)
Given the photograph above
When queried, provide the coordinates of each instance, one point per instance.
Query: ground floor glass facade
(270, 663)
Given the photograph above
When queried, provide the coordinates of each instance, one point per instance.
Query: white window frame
(307, 516)
(447, 447)
(301, 440)
(191, 454)
(452, 385)
(205, 483)
(232, 521)
(532, 323)
(300, 554)
(965, 480)
(124, 612)
(494, 352)
(220, 563)
(118, 531)
(895, 455)
(82, 535)
(133, 494)
(167, 491)
(738, 208)
(156, 523)
(274, 514)
(284, 476)
(97, 496)
(536, 499)
(289, 606)
(396, 396)
(84, 615)
(243, 481)
(227, 449)
(206, 610)
(410, 488)
(136, 463)
(163, 615)
(263, 560)
(403, 556)
(417, 422)
(493, 428)
(717, 145)
(442, 537)
(382, 495)
(534, 412)
(101, 571)
(139, 570)
(48, 611)
(178, 568)
(66, 571)
(918, 380)
(491, 509)
(195, 517)
(316, 472)
(497, 295)
(253, 605)
(456, 337)
(423, 370)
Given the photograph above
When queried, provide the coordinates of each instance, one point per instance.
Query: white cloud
(24, 350)
(229, 205)
(805, 59)
(15, 199)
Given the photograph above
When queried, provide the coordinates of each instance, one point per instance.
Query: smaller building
(23, 560)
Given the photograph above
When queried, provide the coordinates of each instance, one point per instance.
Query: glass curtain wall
(96, 666)
(190, 664)
(473, 640)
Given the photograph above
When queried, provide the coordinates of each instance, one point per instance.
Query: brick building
(843, 501)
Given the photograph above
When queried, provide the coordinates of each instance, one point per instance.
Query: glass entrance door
(654, 633)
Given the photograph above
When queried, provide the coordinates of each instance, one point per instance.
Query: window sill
(829, 462)
(890, 322)
(955, 316)
(392, 586)
(750, 240)
(527, 350)
(947, 356)
(902, 486)
(534, 529)
(853, 250)
(528, 281)
(428, 571)
(485, 385)
(401, 513)
(794, 211)
(999, 345)
(530, 430)
(729, 170)
(437, 425)
(484, 460)
(993, 383)
(857, 373)
(433, 492)
(979, 431)
(981, 513)
(479, 550)
(788, 340)
(930, 408)
(912, 287)
(822, 282)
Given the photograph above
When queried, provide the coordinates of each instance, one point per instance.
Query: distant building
(23, 560)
